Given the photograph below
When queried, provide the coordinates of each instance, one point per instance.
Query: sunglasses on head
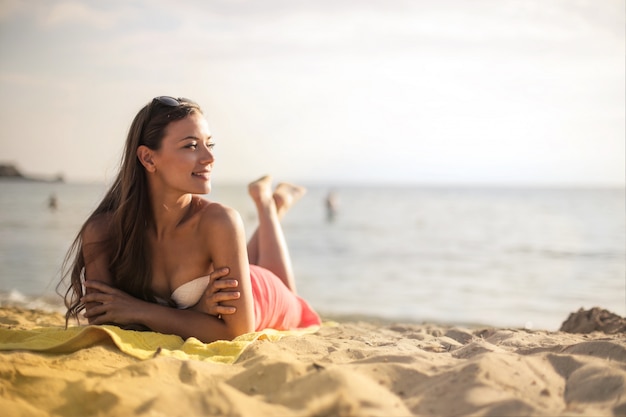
(171, 101)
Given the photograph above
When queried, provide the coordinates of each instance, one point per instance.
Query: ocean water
(517, 257)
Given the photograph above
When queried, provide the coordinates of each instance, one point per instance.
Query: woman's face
(185, 159)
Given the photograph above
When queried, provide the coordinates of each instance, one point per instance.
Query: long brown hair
(128, 210)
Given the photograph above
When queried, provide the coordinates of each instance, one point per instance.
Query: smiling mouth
(204, 174)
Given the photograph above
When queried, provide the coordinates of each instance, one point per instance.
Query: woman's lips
(202, 174)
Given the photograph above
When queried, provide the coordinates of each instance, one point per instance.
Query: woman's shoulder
(97, 228)
(216, 215)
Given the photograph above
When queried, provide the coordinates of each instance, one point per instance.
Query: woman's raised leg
(267, 246)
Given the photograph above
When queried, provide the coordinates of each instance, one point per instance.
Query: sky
(502, 92)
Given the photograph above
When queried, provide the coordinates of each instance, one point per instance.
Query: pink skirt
(275, 306)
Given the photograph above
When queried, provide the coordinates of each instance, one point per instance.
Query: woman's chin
(202, 187)
(207, 188)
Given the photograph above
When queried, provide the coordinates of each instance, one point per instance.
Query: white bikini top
(189, 293)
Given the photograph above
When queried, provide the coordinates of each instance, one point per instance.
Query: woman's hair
(128, 211)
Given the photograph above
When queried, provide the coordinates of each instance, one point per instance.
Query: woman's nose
(207, 155)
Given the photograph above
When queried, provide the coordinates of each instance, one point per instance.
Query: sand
(353, 368)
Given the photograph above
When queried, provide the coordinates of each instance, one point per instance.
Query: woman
(140, 253)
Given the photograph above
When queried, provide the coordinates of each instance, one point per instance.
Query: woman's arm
(226, 241)
(96, 258)
(226, 244)
(115, 306)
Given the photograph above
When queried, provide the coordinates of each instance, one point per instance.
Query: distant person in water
(331, 206)
(155, 254)
(53, 204)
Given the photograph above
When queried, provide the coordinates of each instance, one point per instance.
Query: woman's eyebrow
(193, 138)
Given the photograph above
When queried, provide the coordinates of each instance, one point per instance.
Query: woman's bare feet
(261, 190)
(286, 195)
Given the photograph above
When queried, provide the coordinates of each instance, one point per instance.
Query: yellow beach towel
(142, 345)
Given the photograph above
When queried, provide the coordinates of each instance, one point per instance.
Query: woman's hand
(106, 304)
(220, 289)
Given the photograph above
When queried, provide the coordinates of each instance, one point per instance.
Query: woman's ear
(145, 156)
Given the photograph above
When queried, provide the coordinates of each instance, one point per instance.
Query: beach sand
(351, 368)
